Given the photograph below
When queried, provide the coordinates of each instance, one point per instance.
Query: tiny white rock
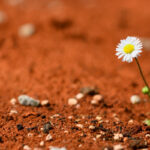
(94, 102)
(13, 101)
(98, 97)
(49, 137)
(45, 103)
(91, 127)
(26, 30)
(26, 147)
(98, 118)
(72, 101)
(13, 111)
(135, 99)
(118, 147)
(57, 148)
(79, 126)
(79, 96)
(42, 143)
(118, 136)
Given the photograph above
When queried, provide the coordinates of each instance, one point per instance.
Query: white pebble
(130, 121)
(118, 147)
(79, 96)
(42, 143)
(49, 137)
(78, 106)
(45, 103)
(135, 99)
(2, 17)
(26, 30)
(94, 102)
(13, 101)
(56, 148)
(13, 111)
(30, 134)
(72, 101)
(26, 147)
(98, 118)
(91, 127)
(79, 126)
(98, 136)
(98, 97)
(118, 136)
(147, 135)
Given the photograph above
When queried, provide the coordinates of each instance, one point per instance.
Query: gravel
(45, 103)
(49, 137)
(28, 101)
(48, 126)
(20, 127)
(89, 90)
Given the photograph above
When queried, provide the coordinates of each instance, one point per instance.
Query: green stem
(141, 72)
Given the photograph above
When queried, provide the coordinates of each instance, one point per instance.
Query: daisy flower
(129, 48)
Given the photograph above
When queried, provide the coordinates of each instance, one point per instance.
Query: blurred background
(51, 47)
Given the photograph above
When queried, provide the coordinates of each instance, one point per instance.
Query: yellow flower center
(129, 48)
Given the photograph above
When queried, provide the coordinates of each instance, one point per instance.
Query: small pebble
(130, 121)
(70, 117)
(26, 30)
(98, 97)
(49, 137)
(28, 101)
(98, 118)
(89, 90)
(91, 127)
(77, 106)
(147, 135)
(2, 17)
(44, 103)
(13, 111)
(98, 136)
(66, 131)
(26, 147)
(13, 101)
(118, 137)
(72, 101)
(42, 143)
(118, 147)
(56, 148)
(48, 126)
(79, 126)
(79, 96)
(135, 99)
(20, 127)
(94, 102)
(30, 134)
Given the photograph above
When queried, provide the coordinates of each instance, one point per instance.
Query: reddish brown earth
(73, 47)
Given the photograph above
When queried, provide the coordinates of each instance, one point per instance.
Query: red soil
(73, 47)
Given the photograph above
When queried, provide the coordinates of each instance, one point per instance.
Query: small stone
(94, 102)
(98, 136)
(13, 111)
(147, 135)
(2, 17)
(135, 99)
(28, 101)
(45, 103)
(72, 101)
(79, 96)
(89, 90)
(48, 126)
(30, 134)
(79, 126)
(13, 101)
(49, 137)
(98, 97)
(98, 118)
(20, 127)
(125, 139)
(91, 127)
(57, 148)
(42, 143)
(118, 137)
(26, 147)
(70, 117)
(130, 121)
(26, 30)
(118, 147)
